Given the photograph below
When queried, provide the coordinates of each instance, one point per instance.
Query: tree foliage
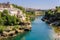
(7, 19)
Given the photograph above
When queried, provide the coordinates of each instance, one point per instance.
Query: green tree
(1, 21)
(5, 13)
(0, 14)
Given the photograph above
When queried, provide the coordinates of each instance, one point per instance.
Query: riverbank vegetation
(6, 19)
(52, 17)
(9, 25)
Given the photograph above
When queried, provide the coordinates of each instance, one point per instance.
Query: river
(40, 31)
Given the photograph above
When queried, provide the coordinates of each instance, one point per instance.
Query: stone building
(5, 5)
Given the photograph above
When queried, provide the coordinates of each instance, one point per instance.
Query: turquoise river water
(40, 31)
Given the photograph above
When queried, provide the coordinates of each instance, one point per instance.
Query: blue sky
(37, 4)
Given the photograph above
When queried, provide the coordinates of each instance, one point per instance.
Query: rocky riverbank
(55, 27)
(11, 31)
